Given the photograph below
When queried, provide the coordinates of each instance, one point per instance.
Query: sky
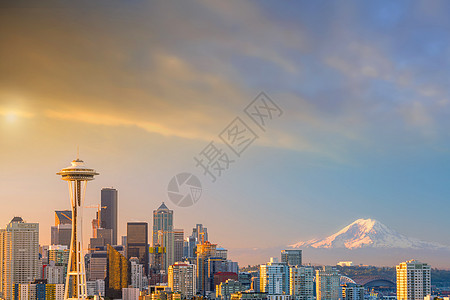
(143, 87)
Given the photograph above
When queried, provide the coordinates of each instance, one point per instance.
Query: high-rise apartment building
(55, 274)
(225, 289)
(351, 291)
(246, 279)
(59, 254)
(291, 257)
(95, 288)
(137, 243)
(182, 279)
(56, 270)
(136, 273)
(19, 255)
(274, 278)
(328, 284)
(413, 280)
(302, 283)
(109, 211)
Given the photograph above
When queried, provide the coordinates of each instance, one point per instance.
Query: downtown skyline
(363, 89)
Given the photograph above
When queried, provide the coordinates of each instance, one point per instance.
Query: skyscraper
(291, 257)
(136, 273)
(199, 235)
(109, 211)
(163, 234)
(413, 280)
(200, 232)
(328, 284)
(137, 243)
(116, 274)
(62, 231)
(19, 255)
(61, 234)
(302, 283)
(178, 243)
(274, 277)
(204, 252)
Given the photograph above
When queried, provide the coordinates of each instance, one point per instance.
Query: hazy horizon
(143, 87)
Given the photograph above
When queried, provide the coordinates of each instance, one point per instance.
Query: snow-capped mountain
(369, 233)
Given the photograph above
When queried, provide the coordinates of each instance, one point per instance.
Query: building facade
(163, 234)
(302, 283)
(19, 255)
(291, 257)
(137, 243)
(204, 252)
(413, 280)
(225, 289)
(136, 273)
(328, 284)
(117, 273)
(178, 244)
(183, 279)
(109, 212)
(274, 278)
(351, 291)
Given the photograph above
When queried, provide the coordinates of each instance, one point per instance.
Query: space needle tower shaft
(77, 175)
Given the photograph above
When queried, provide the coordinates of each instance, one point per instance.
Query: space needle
(77, 175)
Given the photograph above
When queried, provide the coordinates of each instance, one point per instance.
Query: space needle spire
(77, 175)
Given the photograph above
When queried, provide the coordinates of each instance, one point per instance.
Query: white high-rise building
(413, 280)
(137, 273)
(19, 255)
(302, 283)
(274, 278)
(182, 278)
(55, 273)
(328, 284)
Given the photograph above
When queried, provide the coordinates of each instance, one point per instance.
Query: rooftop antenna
(78, 152)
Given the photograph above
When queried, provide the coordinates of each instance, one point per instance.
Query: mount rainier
(369, 233)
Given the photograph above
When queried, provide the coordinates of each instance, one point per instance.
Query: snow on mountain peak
(368, 233)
